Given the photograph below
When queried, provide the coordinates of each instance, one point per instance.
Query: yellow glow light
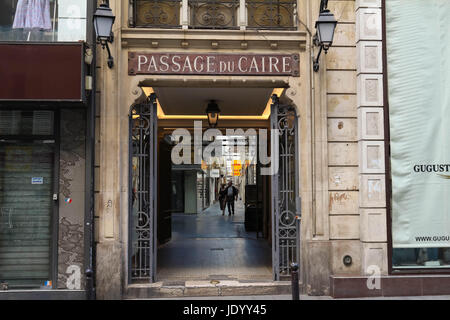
(264, 116)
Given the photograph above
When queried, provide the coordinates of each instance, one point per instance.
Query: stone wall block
(344, 9)
(370, 90)
(369, 57)
(343, 154)
(368, 24)
(318, 263)
(371, 157)
(368, 4)
(372, 192)
(342, 248)
(344, 35)
(343, 58)
(343, 82)
(342, 130)
(343, 178)
(373, 225)
(370, 123)
(374, 258)
(344, 227)
(341, 105)
(343, 203)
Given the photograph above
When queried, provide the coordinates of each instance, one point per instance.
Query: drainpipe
(90, 265)
(90, 271)
(93, 244)
(313, 138)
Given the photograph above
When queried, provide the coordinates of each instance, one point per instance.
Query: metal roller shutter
(26, 188)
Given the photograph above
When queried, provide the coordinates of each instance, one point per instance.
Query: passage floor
(209, 246)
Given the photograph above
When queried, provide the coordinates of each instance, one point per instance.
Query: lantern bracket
(325, 17)
(104, 19)
(110, 57)
(316, 61)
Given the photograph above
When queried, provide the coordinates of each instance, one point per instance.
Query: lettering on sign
(37, 180)
(213, 64)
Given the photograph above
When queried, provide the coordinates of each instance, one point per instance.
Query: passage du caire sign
(213, 64)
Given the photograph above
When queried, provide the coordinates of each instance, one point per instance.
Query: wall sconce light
(213, 113)
(103, 22)
(325, 26)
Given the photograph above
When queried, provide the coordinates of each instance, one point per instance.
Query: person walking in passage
(232, 194)
(222, 197)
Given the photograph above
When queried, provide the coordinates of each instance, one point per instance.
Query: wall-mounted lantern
(325, 26)
(213, 113)
(103, 22)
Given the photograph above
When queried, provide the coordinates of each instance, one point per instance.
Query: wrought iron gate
(285, 199)
(142, 191)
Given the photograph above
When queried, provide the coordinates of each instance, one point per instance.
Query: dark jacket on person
(235, 193)
(222, 197)
(222, 194)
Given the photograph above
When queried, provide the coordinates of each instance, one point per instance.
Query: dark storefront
(46, 151)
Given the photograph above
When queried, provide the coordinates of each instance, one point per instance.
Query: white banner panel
(418, 61)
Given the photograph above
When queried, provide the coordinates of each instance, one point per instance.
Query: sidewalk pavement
(305, 297)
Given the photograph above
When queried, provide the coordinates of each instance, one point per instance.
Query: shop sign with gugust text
(213, 64)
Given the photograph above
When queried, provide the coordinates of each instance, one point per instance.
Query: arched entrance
(282, 200)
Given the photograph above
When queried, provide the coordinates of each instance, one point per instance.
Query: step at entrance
(206, 288)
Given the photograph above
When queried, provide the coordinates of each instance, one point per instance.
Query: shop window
(419, 104)
(213, 14)
(157, 13)
(268, 14)
(421, 257)
(43, 20)
(22, 123)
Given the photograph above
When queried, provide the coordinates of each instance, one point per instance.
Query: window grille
(269, 14)
(212, 14)
(157, 13)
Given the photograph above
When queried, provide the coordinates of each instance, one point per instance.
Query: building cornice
(214, 39)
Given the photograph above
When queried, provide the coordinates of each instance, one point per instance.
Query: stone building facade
(342, 155)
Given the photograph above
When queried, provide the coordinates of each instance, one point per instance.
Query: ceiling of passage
(231, 101)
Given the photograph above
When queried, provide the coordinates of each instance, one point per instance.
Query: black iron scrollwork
(141, 210)
(157, 13)
(271, 14)
(212, 14)
(286, 211)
